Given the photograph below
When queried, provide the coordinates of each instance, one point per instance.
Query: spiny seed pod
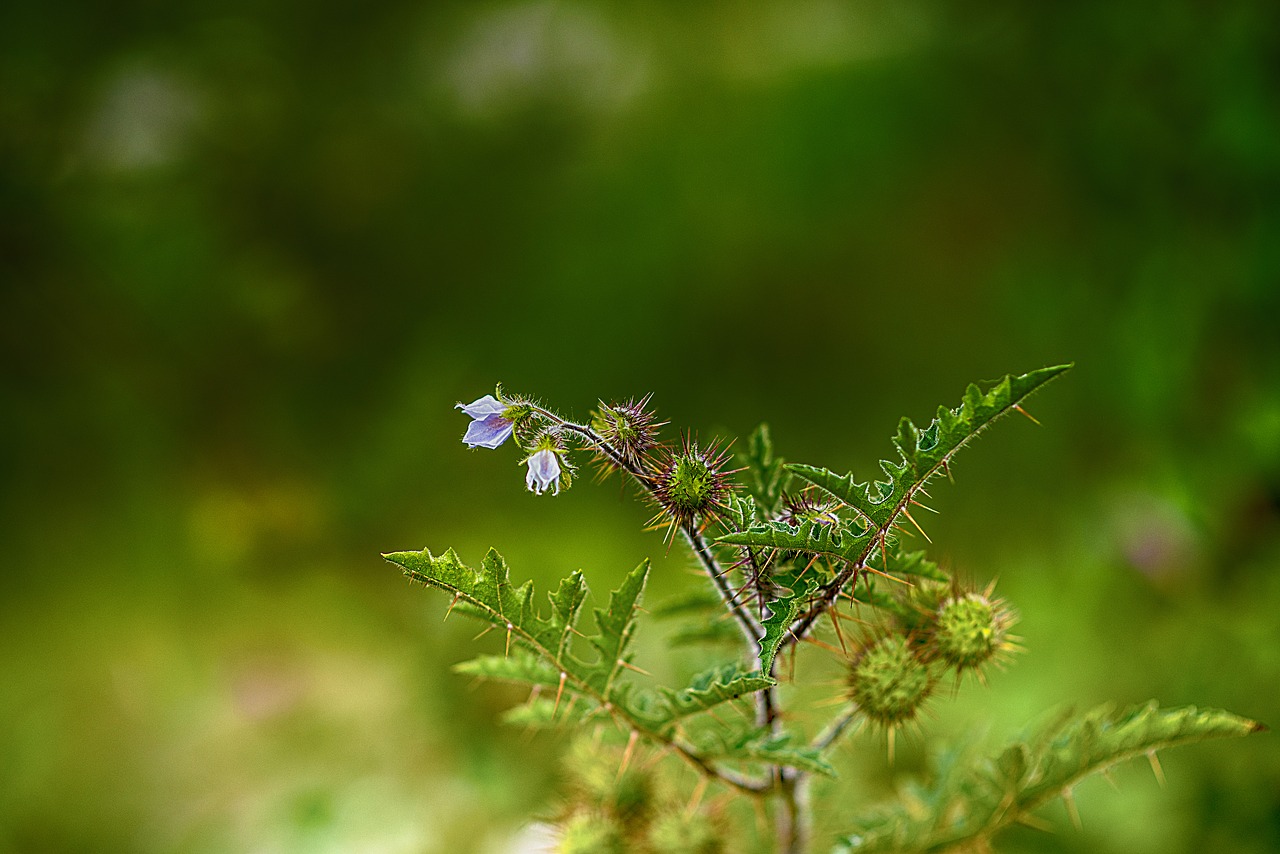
(591, 833)
(693, 484)
(889, 683)
(676, 833)
(629, 428)
(970, 630)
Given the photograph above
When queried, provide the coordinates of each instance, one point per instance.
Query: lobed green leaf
(969, 801)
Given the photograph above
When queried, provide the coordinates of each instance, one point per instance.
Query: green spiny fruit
(591, 833)
(595, 784)
(970, 630)
(676, 833)
(889, 682)
(629, 428)
(693, 484)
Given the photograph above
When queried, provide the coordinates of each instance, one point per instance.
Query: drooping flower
(544, 471)
(488, 427)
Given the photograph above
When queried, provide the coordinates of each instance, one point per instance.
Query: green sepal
(969, 801)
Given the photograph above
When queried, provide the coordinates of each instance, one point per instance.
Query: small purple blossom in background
(488, 429)
(544, 471)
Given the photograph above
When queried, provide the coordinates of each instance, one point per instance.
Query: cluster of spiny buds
(689, 484)
(939, 629)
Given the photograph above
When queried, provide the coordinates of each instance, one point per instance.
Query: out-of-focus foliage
(253, 253)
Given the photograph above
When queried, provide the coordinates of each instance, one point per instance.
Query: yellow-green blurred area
(253, 253)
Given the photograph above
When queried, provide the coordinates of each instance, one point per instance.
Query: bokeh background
(254, 252)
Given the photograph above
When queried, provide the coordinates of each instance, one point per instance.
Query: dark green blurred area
(253, 254)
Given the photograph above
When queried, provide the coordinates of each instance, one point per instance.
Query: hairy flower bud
(970, 630)
(629, 428)
(889, 683)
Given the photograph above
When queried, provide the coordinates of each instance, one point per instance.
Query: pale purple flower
(488, 429)
(544, 471)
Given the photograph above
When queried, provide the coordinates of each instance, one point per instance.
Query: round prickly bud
(629, 428)
(889, 683)
(673, 833)
(693, 483)
(970, 630)
(588, 833)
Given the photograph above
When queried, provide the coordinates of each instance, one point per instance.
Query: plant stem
(789, 785)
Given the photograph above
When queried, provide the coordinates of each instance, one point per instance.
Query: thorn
(626, 754)
(835, 624)
(946, 468)
(631, 666)
(907, 513)
(696, 798)
(1155, 767)
(828, 647)
(1069, 799)
(1106, 775)
(507, 652)
(1034, 823)
(486, 631)
(451, 604)
(534, 694)
(1026, 413)
(762, 821)
(559, 692)
(923, 506)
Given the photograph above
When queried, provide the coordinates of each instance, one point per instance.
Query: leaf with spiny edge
(923, 453)
(540, 651)
(489, 594)
(715, 686)
(969, 801)
(782, 612)
(763, 747)
(835, 541)
(520, 666)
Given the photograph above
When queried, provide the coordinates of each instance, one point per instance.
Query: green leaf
(969, 801)
(924, 453)
(541, 650)
(489, 594)
(520, 666)
(782, 612)
(766, 748)
(841, 543)
(766, 477)
(715, 686)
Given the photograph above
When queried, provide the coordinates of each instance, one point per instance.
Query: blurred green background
(254, 252)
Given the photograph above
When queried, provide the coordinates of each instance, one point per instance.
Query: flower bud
(629, 428)
(889, 683)
(693, 484)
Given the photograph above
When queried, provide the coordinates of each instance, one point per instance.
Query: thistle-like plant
(786, 550)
